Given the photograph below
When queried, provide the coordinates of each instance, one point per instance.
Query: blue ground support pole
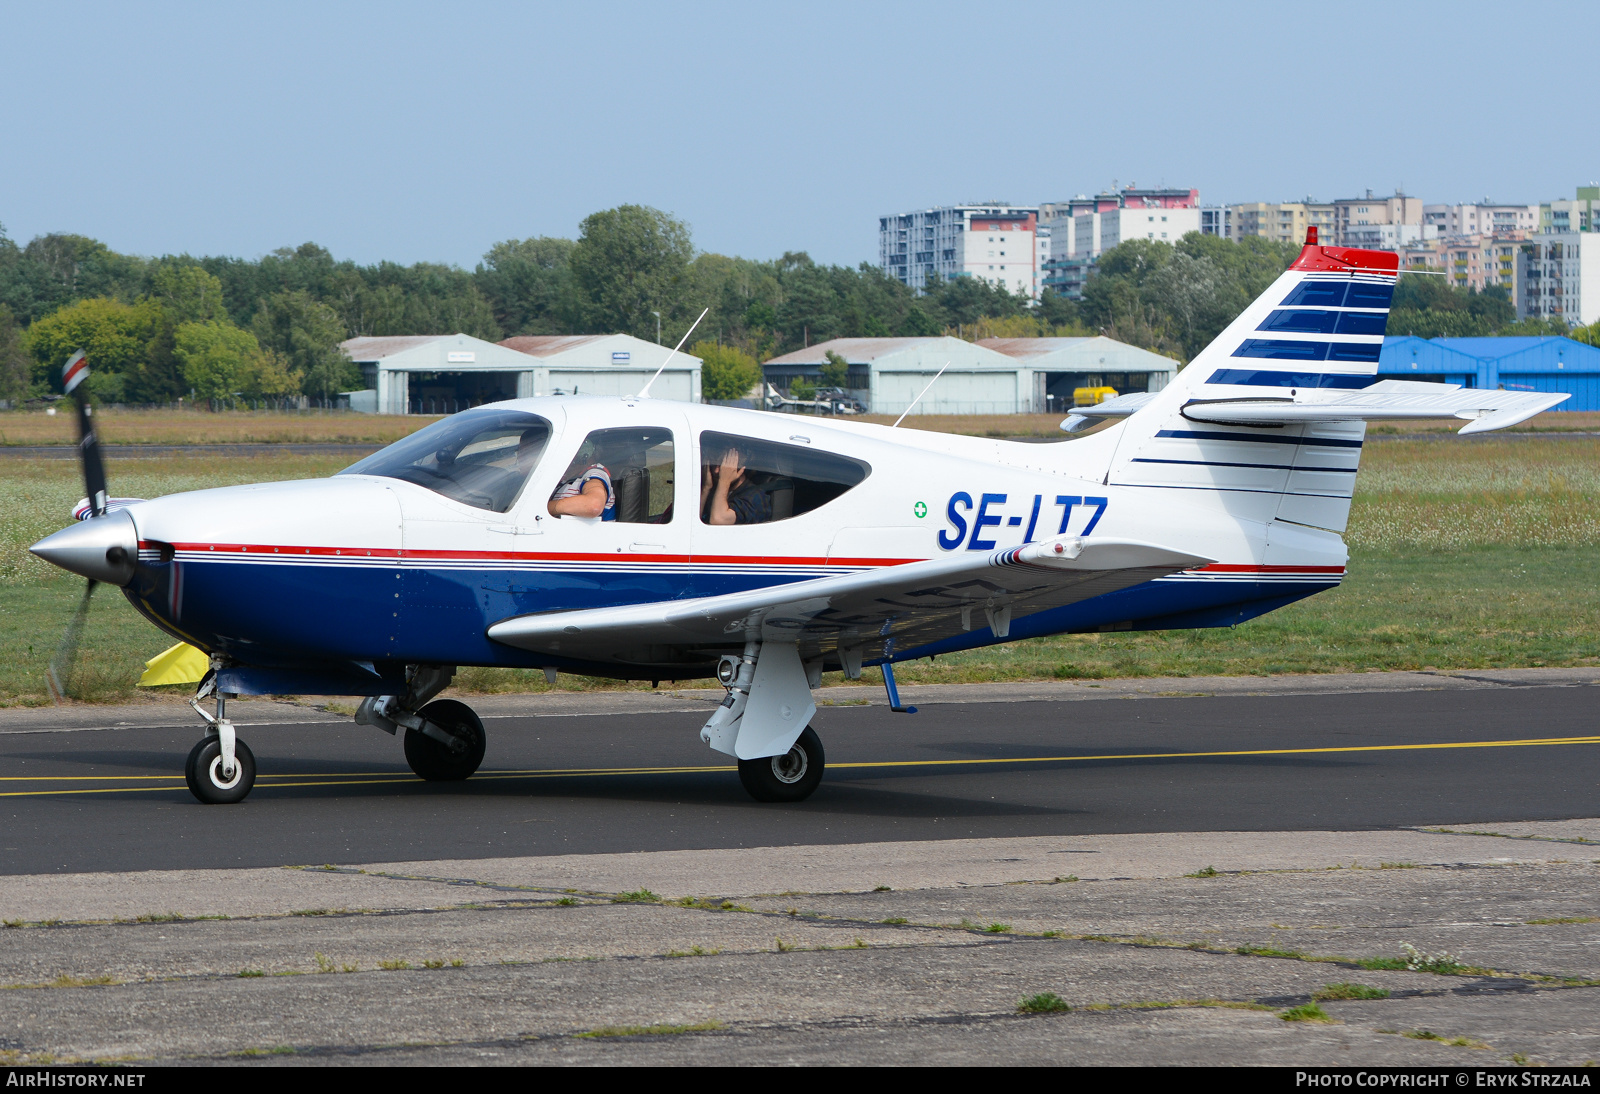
(894, 692)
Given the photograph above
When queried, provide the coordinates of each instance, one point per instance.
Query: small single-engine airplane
(651, 540)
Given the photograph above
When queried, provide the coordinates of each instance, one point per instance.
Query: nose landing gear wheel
(788, 778)
(209, 783)
(438, 762)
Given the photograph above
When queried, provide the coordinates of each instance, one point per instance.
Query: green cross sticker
(920, 509)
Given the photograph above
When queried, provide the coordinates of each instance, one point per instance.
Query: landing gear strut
(763, 721)
(444, 740)
(441, 761)
(221, 768)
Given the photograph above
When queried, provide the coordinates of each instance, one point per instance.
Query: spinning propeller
(73, 374)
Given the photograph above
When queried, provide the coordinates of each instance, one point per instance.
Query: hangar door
(1060, 386)
(1585, 389)
(448, 392)
(955, 393)
(670, 385)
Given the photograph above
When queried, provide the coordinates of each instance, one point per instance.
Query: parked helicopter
(651, 540)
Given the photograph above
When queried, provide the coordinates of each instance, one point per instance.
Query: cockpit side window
(480, 458)
(635, 465)
(748, 481)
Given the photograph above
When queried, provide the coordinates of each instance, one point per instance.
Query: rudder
(1319, 325)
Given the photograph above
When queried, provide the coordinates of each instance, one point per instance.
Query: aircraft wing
(867, 614)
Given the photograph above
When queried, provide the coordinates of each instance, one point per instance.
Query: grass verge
(1465, 555)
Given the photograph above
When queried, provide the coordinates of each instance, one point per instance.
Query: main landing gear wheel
(788, 778)
(438, 762)
(209, 783)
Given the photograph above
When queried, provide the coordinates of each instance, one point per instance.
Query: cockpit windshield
(482, 457)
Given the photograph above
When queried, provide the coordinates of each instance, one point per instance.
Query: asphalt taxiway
(601, 774)
(1176, 867)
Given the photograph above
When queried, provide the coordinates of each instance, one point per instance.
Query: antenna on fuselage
(645, 391)
(920, 394)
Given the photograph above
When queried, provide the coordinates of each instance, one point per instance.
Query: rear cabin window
(481, 458)
(749, 481)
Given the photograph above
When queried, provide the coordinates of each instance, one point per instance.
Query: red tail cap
(1316, 257)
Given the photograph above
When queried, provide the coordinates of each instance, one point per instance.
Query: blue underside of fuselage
(304, 616)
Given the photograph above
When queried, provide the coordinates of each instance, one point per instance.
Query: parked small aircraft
(651, 540)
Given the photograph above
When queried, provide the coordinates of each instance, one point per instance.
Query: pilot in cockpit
(587, 490)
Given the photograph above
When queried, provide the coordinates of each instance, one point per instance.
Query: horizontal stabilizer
(1122, 406)
(1385, 401)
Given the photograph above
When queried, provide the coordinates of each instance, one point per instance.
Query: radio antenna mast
(920, 394)
(645, 393)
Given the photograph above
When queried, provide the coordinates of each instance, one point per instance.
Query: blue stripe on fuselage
(1255, 438)
(295, 615)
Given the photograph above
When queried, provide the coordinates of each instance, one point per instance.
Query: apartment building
(1385, 224)
(1582, 214)
(997, 242)
(1558, 274)
(1281, 222)
(1480, 218)
(1081, 229)
(1469, 262)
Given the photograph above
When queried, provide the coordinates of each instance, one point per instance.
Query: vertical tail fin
(1320, 325)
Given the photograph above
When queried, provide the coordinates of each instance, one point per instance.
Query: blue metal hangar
(1513, 364)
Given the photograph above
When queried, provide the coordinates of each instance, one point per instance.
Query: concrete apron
(749, 872)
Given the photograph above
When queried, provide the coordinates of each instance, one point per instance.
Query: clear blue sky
(429, 131)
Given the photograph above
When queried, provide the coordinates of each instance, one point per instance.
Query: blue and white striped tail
(1319, 326)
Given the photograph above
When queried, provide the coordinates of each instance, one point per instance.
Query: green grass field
(1466, 554)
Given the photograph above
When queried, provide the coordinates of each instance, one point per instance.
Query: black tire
(791, 777)
(203, 772)
(437, 762)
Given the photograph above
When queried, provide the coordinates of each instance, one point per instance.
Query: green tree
(267, 374)
(1056, 310)
(114, 335)
(15, 378)
(214, 355)
(186, 292)
(1196, 299)
(835, 370)
(159, 377)
(306, 334)
(725, 372)
(1174, 299)
(965, 300)
(58, 269)
(629, 262)
(528, 283)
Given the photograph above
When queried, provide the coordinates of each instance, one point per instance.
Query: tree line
(157, 329)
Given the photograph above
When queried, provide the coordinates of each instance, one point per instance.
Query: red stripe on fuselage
(283, 551)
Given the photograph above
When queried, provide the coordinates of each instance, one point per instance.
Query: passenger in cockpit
(731, 494)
